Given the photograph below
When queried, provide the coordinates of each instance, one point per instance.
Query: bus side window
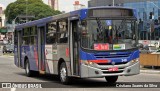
(15, 37)
(33, 36)
(63, 32)
(51, 35)
(26, 40)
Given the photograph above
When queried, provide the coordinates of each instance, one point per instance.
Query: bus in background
(87, 43)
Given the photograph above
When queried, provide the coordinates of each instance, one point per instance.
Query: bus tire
(28, 72)
(111, 79)
(63, 74)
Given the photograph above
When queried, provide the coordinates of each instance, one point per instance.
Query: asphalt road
(10, 73)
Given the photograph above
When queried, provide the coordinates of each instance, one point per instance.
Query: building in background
(144, 8)
(78, 6)
(2, 16)
(3, 29)
(53, 4)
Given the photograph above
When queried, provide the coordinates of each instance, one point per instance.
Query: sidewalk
(150, 70)
(8, 55)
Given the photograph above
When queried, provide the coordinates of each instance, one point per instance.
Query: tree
(28, 7)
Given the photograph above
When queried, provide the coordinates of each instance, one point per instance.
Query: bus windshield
(103, 34)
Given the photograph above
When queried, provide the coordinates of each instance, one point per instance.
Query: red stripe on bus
(67, 52)
(99, 61)
(36, 56)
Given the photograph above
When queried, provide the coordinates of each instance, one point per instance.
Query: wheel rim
(63, 74)
(27, 68)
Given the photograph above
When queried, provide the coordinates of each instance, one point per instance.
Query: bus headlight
(94, 62)
(134, 61)
(88, 63)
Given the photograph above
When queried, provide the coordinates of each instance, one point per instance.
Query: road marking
(13, 89)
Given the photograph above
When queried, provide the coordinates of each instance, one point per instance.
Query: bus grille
(99, 56)
(110, 72)
(106, 71)
(111, 63)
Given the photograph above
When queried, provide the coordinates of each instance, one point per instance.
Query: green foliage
(31, 7)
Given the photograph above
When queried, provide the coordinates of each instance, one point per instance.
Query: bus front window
(101, 34)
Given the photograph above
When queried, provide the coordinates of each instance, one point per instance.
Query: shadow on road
(75, 82)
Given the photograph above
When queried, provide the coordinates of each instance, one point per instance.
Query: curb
(150, 71)
(6, 56)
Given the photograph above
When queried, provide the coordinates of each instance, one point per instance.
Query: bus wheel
(111, 79)
(63, 74)
(29, 73)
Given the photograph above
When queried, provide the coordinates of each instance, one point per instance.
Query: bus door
(74, 48)
(19, 48)
(41, 46)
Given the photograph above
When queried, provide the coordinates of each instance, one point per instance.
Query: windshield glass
(104, 34)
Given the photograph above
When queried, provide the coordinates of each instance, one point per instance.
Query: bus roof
(43, 21)
(110, 7)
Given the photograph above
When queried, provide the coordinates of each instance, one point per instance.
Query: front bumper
(102, 70)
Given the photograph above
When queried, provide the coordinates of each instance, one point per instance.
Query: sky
(67, 4)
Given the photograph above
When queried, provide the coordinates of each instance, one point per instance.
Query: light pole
(13, 27)
(113, 2)
(26, 10)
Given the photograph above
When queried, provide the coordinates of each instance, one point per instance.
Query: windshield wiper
(100, 26)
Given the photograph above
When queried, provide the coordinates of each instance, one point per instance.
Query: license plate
(113, 69)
